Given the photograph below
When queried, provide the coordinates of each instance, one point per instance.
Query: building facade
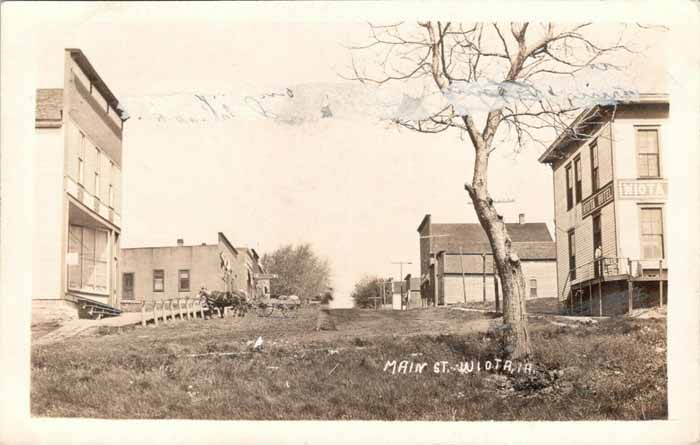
(609, 202)
(412, 286)
(77, 191)
(457, 264)
(154, 273)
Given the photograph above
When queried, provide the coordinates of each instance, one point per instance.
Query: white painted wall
(628, 213)
(48, 214)
(545, 272)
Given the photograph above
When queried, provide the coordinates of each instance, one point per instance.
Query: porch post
(661, 284)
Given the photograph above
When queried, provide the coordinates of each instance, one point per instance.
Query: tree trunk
(515, 333)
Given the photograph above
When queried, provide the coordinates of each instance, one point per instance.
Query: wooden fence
(172, 309)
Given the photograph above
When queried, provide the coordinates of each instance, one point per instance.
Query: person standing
(325, 322)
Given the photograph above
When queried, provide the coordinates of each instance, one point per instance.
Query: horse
(223, 299)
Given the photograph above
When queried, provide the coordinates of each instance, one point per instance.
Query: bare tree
(509, 69)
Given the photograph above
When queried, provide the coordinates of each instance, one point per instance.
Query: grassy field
(206, 369)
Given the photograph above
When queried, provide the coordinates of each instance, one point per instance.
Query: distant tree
(366, 291)
(299, 269)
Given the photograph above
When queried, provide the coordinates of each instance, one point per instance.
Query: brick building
(456, 262)
(150, 273)
(77, 191)
(609, 197)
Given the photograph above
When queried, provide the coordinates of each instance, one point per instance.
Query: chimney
(180, 242)
(521, 218)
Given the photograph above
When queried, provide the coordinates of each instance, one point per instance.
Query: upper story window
(98, 161)
(110, 189)
(569, 188)
(595, 177)
(81, 159)
(648, 153)
(577, 178)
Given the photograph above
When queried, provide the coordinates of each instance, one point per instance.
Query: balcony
(92, 202)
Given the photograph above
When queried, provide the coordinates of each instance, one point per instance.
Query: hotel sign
(638, 189)
(602, 197)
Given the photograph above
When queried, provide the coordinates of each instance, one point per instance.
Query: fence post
(201, 310)
(600, 299)
(630, 287)
(162, 311)
(155, 314)
(143, 313)
(661, 284)
(590, 297)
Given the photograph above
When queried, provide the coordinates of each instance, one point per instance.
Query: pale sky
(356, 189)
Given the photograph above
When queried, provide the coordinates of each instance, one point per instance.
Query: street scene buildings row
(608, 250)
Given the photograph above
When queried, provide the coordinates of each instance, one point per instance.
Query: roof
(471, 238)
(584, 119)
(49, 108)
(79, 57)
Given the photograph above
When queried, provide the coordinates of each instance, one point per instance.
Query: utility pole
(401, 263)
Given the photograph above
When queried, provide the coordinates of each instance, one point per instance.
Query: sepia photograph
(250, 212)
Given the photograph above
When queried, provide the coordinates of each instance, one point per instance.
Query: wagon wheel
(290, 310)
(263, 310)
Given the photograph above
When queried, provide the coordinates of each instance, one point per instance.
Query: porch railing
(599, 270)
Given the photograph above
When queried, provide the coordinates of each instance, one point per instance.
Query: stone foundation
(53, 311)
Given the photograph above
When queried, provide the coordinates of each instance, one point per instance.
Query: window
(648, 153)
(572, 254)
(595, 181)
(81, 160)
(88, 259)
(128, 286)
(577, 178)
(569, 189)
(533, 288)
(158, 280)
(97, 172)
(183, 279)
(652, 233)
(597, 246)
(110, 189)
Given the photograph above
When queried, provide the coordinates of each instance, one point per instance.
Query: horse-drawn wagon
(286, 305)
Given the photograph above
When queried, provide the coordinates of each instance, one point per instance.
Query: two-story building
(164, 272)
(456, 261)
(77, 191)
(609, 197)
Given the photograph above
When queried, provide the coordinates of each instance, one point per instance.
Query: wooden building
(610, 194)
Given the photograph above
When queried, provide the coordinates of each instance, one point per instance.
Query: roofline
(81, 59)
(423, 221)
(223, 238)
(167, 247)
(644, 98)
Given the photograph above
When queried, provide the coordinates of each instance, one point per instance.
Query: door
(597, 246)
